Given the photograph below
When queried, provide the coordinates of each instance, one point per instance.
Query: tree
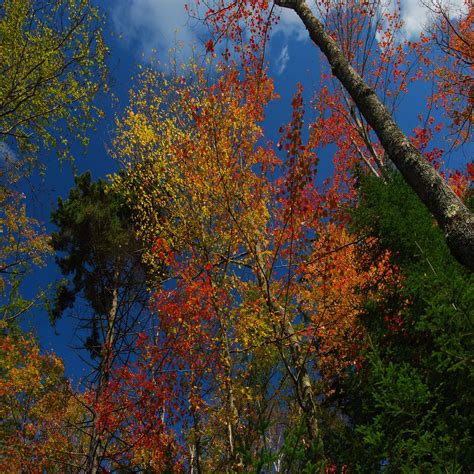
(409, 403)
(41, 416)
(203, 226)
(263, 265)
(23, 244)
(102, 259)
(52, 57)
(450, 212)
(244, 237)
(52, 66)
(453, 36)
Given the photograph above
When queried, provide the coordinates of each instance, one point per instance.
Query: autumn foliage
(293, 322)
(40, 413)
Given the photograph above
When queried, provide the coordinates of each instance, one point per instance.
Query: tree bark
(453, 217)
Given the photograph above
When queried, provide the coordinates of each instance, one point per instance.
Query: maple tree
(453, 36)
(235, 214)
(450, 212)
(194, 213)
(41, 415)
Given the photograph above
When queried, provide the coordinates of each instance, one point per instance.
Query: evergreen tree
(101, 259)
(410, 407)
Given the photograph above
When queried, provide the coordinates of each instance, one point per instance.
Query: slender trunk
(195, 448)
(304, 385)
(96, 450)
(302, 380)
(453, 217)
(192, 456)
(232, 413)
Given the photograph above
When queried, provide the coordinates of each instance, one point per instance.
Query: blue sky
(133, 29)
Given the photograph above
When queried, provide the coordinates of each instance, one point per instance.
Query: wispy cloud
(154, 25)
(416, 15)
(415, 18)
(290, 25)
(163, 24)
(6, 153)
(282, 60)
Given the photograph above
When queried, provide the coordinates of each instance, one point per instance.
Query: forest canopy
(245, 299)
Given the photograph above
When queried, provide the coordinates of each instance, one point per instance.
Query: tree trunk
(232, 414)
(195, 448)
(96, 450)
(302, 381)
(453, 217)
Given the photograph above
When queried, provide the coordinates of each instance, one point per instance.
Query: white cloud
(154, 25)
(7, 155)
(416, 15)
(290, 25)
(282, 60)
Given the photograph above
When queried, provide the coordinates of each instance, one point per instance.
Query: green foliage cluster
(52, 66)
(52, 59)
(410, 407)
(97, 250)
